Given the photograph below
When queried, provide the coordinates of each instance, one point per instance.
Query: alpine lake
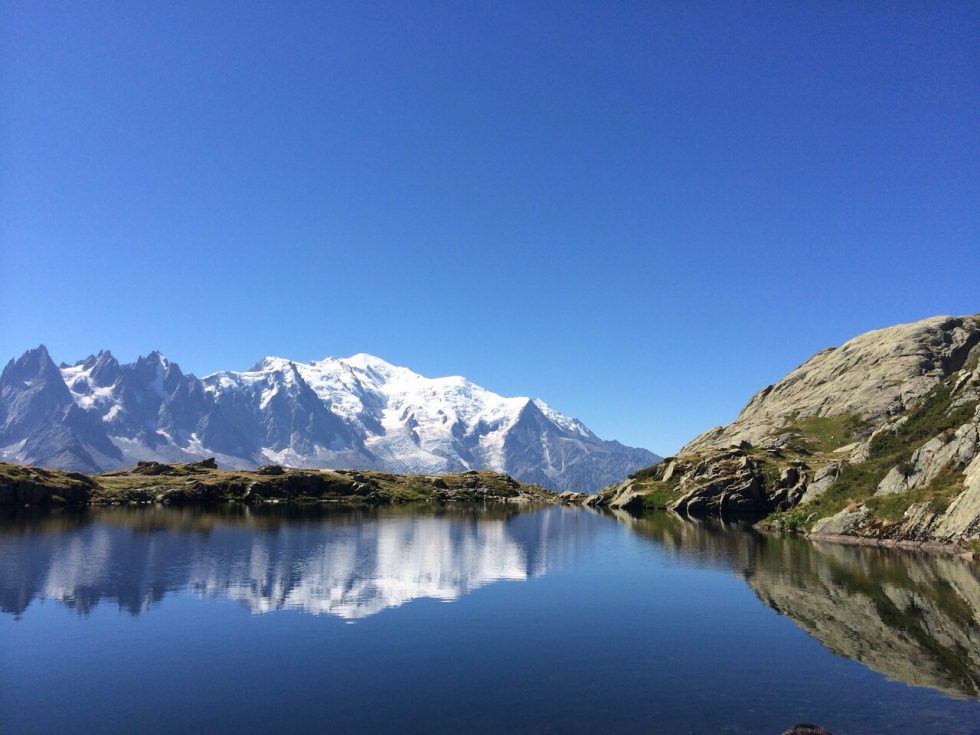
(471, 619)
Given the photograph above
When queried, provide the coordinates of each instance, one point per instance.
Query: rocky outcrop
(879, 438)
(35, 486)
(738, 493)
(874, 376)
(949, 451)
(823, 479)
(849, 522)
(947, 468)
(622, 497)
(739, 481)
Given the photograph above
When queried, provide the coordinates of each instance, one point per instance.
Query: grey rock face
(848, 522)
(540, 451)
(738, 494)
(962, 519)
(873, 376)
(861, 451)
(881, 416)
(939, 454)
(620, 497)
(823, 479)
(40, 422)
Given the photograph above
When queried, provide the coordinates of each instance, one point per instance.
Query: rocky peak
(39, 416)
(33, 365)
(103, 368)
(871, 377)
(32, 393)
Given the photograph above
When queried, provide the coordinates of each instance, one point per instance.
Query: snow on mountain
(359, 412)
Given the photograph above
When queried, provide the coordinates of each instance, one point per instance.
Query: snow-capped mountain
(359, 412)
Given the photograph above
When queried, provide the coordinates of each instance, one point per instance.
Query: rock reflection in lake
(914, 617)
(349, 564)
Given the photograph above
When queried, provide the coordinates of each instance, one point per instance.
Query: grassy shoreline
(202, 483)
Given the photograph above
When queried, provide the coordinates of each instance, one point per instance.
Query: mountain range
(358, 412)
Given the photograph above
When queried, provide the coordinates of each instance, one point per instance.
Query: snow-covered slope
(355, 412)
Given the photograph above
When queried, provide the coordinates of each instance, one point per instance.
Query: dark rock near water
(153, 468)
(270, 469)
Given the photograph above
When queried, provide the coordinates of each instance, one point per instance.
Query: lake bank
(202, 483)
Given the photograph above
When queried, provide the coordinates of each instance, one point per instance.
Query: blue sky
(640, 212)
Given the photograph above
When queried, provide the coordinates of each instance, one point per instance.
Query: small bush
(795, 522)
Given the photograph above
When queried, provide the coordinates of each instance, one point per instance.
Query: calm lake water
(158, 620)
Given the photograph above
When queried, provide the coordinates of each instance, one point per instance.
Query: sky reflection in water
(562, 621)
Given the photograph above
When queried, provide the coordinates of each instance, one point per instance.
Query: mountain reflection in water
(348, 564)
(914, 617)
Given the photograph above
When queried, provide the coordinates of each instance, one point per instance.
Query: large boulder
(849, 522)
(961, 520)
(823, 479)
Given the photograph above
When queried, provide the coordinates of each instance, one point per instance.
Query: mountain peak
(157, 357)
(374, 365)
(102, 358)
(270, 363)
(365, 358)
(34, 363)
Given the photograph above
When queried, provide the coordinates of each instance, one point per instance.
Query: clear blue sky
(640, 212)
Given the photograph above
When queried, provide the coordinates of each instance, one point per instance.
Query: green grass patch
(50, 478)
(657, 494)
(659, 497)
(827, 433)
(794, 521)
(939, 494)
